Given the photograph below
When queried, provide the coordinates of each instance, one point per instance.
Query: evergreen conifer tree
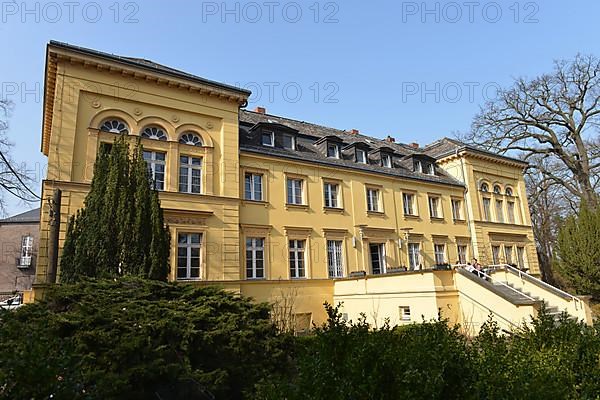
(120, 230)
(578, 250)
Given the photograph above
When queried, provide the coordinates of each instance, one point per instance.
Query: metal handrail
(481, 273)
(537, 280)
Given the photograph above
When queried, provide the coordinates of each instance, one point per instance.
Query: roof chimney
(390, 139)
(354, 131)
(414, 145)
(260, 110)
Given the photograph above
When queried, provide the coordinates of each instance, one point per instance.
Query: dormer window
(386, 160)
(430, 169)
(418, 166)
(333, 150)
(288, 142)
(361, 156)
(268, 138)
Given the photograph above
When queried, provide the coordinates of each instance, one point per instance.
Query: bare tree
(553, 120)
(13, 178)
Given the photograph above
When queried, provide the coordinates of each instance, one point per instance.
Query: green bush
(136, 339)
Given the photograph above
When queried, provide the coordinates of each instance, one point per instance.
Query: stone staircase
(553, 311)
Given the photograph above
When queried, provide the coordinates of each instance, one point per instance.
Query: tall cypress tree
(120, 230)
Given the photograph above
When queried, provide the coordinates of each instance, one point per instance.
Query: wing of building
(288, 211)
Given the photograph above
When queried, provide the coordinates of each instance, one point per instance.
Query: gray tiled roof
(446, 146)
(147, 64)
(307, 151)
(31, 216)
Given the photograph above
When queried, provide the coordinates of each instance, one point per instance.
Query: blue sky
(414, 70)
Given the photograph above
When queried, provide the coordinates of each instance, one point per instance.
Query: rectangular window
(373, 200)
(190, 174)
(499, 211)
(156, 168)
(294, 191)
(377, 251)
(434, 207)
(297, 269)
(361, 156)
(414, 256)
(508, 254)
(268, 138)
(510, 210)
(188, 255)
(462, 253)
(430, 169)
(255, 258)
(335, 263)
(495, 255)
(440, 253)
(487, 215)
(404, 313)
(408, 201)
(289, 142)
(418, 166)
(330, 191)
(333, 151)
(386, 160)
(521, 257)
(26, 251)
(457, 209)
(253, 186)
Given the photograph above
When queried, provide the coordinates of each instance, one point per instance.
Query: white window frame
(292, 141)
(404, 313)
(336, 152)
(335, 258)
(381, 255)
(26, 251)
(152, 163)
(435, 207)
(373, 200)
(457, 209)
(257, 244)
(408, 204)
(271, 135)
(297, 191)
(331, 194)
(386, 160)
(414, 258)
(361, 156)
(418, 166)
(439, 255)
(188, 245)
(253, 195)
(190, 167)
(430, 169)
(297, 256)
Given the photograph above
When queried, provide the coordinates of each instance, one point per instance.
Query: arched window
(497, 189)
(154, 132)
(484, 187)
(509, 192)
(191, 138)
(115, 125)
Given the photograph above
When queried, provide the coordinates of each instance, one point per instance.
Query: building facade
(278, 209)
(19, 237)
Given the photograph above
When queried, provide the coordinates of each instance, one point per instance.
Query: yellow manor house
(296, 213)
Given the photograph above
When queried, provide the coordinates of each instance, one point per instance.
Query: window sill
(460, 221)
(375, 213)
(289, 206)
(338, 210)
(188, 279)
(255, 202)
(411, 216)
(437, 219)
